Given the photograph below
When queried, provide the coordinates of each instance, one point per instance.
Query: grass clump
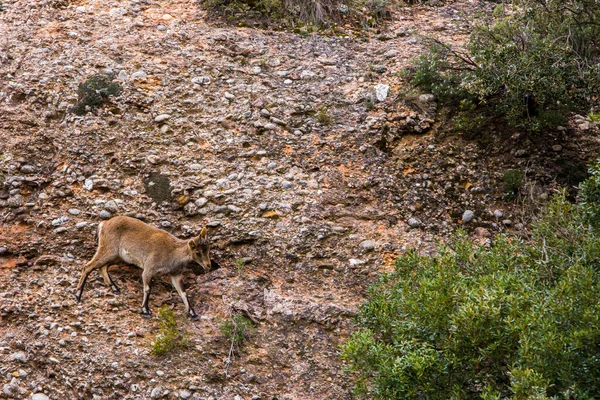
(530, 63)
(95, 91)
(170, 337)
(519, 320)
(324, 117)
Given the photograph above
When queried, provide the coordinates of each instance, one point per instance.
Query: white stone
(381, 91)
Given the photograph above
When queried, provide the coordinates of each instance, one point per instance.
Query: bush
(237, 329)
(518, 320)
(302, 11)
(531, 62)
(589, 195)
(170, 337)
(95, 91)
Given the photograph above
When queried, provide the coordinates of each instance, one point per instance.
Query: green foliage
(237, 329)
(239, 266)
(323, 116)
(95, 91)
(532, 62)
(513, 181)
(434, 75)
(594, 117)
(170, 337)
(589, 195)
(519, 320)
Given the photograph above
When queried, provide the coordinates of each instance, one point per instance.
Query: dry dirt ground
(274, 140)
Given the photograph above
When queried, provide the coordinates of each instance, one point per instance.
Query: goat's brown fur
(129, 240)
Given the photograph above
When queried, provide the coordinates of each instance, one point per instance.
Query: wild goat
(129, 240)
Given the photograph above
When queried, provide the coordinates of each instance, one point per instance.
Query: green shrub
(513, 181)
(532, 62)
(237, 329)
(95, 91)
(589, 195)
(170, 337)
(519, 320)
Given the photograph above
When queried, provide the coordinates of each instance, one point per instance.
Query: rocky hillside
(298, 152)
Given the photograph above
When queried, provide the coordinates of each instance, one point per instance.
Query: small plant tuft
(95, 91)
(323, 116)
(237, 329)
(513, 181)
(169, 337)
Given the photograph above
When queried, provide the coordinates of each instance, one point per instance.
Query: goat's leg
(178, 285)
(99, 261)
(108, 280)
(146, 280)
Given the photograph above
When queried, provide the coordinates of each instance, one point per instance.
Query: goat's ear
(192, 243)
(203, 233)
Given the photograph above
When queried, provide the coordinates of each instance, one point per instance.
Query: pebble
(88, 184)
(414, 223)
(427, 98)
(11, 388)
(104, 214)
(287, 184)
(81, 225)
(15, 201)
(111, 206)
(201, 202)
(28, 169)
(233, 208)
(468, 216)
(201, 80)
(60, 230)
(156, 392)
(498, 214)
(39, 396)
(162, 117)
(160, 373)
(153, 159)
(367, 245)
(139, 75)
(381, 91)
(74, 211)
(19, 356)
(507, 222)
(391, 53)
(185, 394)
(557, 147)
(272, 165)
(59, 221)
(3, 250)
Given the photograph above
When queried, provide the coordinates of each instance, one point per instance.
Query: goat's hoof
(78, 297)
(116, 290)
(146, 313)
(193, 317)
